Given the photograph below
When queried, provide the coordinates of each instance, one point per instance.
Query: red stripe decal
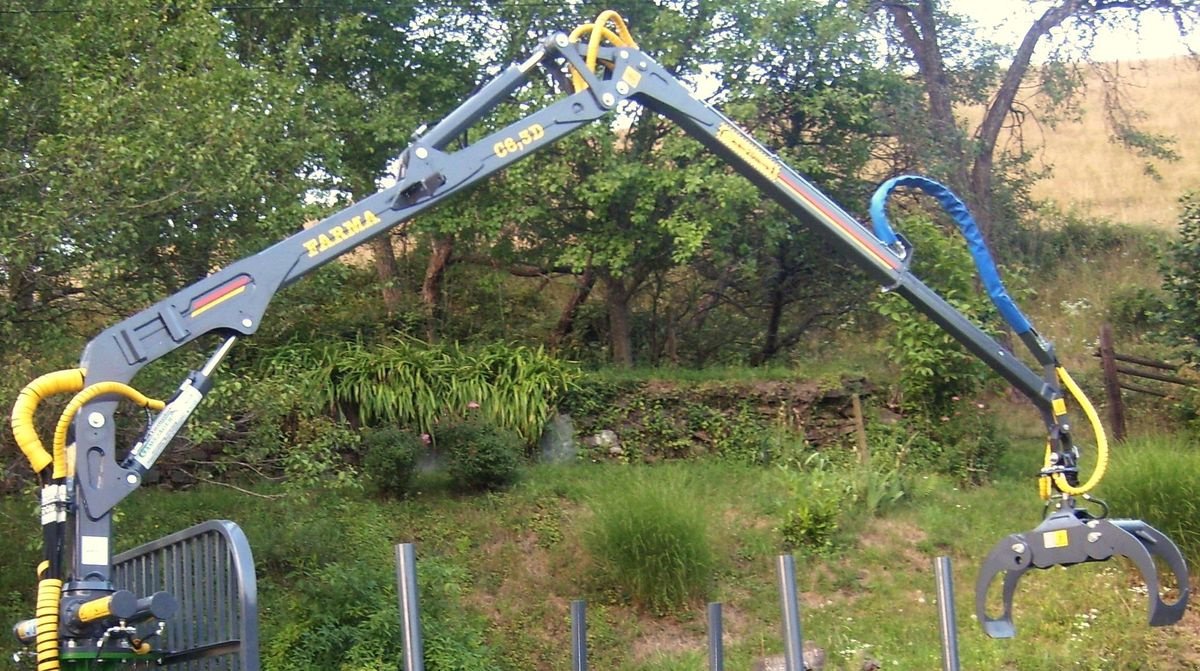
(853, 230)
(216, 294)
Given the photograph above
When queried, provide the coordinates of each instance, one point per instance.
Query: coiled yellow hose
(58, 382)
(48, 594)
(599, 31)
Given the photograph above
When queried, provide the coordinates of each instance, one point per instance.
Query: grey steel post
(716, 646)
(945, 601)
(579, 635)
(793, 644)
(410, 610)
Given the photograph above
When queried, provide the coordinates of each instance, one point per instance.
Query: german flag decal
(219, 295)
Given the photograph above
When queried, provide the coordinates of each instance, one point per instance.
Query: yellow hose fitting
(61, 468)
(23, 428)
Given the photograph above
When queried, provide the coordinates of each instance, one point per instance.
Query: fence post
(716, 644)
(1112, 386)
(793, 644)
(410, 610)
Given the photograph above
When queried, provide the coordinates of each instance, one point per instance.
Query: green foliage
(1181, 279)
(828, 500)
(1133, 309)
(1155, 480)
(390, 459)
(334, 606)
(404, 381)
(934, 368)
(650, 541)
(480, 455)
(966, 444)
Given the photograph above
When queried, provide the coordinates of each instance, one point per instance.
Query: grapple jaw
(1069, 537)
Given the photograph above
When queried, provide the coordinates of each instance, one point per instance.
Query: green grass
(504, 567)
(649, 539)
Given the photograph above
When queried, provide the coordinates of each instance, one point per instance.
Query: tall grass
(650, 540)
(1156, 479)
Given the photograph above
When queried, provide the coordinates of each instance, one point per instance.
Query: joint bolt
(623, 53)
(132, 479)
(95, 420)
(247, 322)
(1094, 536)
(561, 41)
(623, 88)
(642, 65)
(422, 153)
(608, 100)
(1018, 548)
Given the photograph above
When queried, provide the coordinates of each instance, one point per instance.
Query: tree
(933, 41)
(138, 154)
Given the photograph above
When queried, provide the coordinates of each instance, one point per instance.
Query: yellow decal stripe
(748, 151)
(218, 301)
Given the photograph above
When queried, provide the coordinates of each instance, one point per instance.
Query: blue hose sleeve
(970, 230)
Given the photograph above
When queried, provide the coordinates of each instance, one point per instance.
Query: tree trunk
(388, 273)
(771, 343)
(970, 175)
(431, 288)
(566, 319)
(620, 324)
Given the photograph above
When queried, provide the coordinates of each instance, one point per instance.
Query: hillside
(1102, 179)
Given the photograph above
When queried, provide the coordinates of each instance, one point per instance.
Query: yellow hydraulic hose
(23, 429)
(48, 594)
(68, 414)
(599, 31)
(1101, 439)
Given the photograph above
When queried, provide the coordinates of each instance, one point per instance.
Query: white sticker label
(94, 550)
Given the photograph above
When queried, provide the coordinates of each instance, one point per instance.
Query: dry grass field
(1099, 178)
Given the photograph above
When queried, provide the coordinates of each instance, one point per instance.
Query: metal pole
(945, 601)
(716, 646)
(793, 645)
(579, 635)
(410, 610)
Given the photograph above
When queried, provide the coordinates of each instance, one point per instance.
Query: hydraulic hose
(958, 211)
(48, 594)
(1101, 439)
(599, 31)
(24, 431)
(68, 414)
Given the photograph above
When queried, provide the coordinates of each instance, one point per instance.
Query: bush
(650, 542)
(390, 459)
(1181, 279)
(481, 456)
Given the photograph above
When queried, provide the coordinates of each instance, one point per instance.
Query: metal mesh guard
(208, 568)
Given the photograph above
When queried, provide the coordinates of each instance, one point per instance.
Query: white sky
(1156, 38)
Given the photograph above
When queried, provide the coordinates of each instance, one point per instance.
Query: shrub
(650, 541)
(1181, 278)
(481, 456)
(390, 459)
(934, 367)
